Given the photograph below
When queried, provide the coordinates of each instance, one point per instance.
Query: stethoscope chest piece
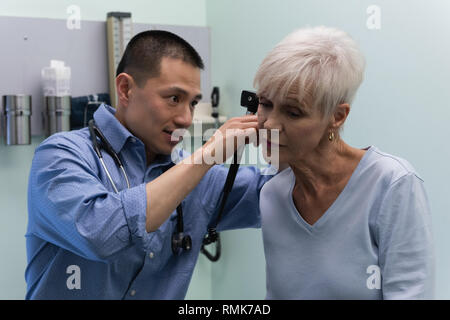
(181, 242)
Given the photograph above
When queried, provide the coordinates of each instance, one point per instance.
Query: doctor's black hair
(143, 54)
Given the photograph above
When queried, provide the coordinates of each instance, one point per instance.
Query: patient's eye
(292, 112)
(294, 115)
(265, 103)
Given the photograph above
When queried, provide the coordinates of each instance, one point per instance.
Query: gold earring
(331, 136)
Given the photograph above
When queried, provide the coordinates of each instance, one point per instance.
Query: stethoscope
(180, 241)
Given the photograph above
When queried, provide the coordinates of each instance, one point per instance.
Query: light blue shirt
(373, 242)
(84, 241)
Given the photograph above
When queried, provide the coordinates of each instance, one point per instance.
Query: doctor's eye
(194, 103)
(174, 99)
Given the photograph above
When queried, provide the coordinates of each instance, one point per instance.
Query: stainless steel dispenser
(57, 114)
(16, 119)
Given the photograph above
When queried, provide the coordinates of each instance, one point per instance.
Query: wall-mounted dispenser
(16, 119)
(57, 99)
(57, 114)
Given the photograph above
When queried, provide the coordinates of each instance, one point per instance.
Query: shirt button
(151, 255)
(132, 293)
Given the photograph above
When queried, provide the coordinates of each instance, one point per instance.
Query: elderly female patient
(339, 222)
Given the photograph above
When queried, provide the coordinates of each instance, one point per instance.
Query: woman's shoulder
(281, 181)
(387, 166)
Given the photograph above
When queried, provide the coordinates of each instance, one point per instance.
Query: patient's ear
(340, 115)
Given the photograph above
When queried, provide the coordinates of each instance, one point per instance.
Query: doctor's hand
(167, 191)
(231, 136)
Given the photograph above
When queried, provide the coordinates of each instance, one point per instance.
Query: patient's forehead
(294, 95)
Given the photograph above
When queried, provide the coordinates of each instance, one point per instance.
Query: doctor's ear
(124, 83)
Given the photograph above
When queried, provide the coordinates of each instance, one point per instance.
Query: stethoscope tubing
(179, 239)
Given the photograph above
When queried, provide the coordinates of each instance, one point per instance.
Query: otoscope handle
(250, 101)
(211, 257)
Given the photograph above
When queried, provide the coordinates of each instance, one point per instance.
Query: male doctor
(87, 241)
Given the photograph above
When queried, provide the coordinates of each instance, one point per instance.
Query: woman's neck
(325, 168)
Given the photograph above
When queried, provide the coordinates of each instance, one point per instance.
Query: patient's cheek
(261, 119)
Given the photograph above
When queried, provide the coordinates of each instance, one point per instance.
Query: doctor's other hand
(231, 136)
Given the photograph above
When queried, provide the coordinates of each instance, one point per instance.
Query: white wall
(175, 12)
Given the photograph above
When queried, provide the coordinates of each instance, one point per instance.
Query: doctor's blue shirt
(84, 241)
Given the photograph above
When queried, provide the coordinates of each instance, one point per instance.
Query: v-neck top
(373, 242)
(335, 204)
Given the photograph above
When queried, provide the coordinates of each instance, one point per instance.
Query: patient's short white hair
(324, 62)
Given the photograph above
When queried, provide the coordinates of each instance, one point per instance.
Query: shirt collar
(161, 160)
(117, 135)
(112, 129)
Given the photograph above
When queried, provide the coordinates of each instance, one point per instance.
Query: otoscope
(213, 236)
(215, 104)
(250, 101)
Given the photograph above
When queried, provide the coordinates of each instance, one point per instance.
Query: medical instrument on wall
(90, 108)
(180, 240)
(250, 101)
(56, 90)
(215, 96)
(119, 30)
(84, 107)
(17, 119)
(56, 79)
(56, 117)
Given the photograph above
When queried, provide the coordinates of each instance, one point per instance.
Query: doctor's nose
(184, 117)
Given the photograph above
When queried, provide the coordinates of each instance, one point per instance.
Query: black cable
(251, 102)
